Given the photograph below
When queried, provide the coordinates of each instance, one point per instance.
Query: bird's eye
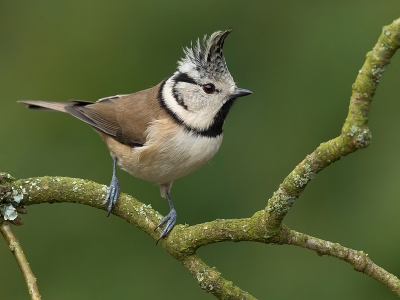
(209, 88)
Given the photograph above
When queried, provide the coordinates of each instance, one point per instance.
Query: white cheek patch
(198, 101)
(200, 119)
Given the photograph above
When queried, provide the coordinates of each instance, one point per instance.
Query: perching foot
(170, 219)
(113, 191)
(112, 195)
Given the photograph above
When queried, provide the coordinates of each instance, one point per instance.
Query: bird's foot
(170, 219)
(112, 195)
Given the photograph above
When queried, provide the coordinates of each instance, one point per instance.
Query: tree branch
(210, 280)
(16, 249)
(358, 259)
(178, 244)
(355, 131)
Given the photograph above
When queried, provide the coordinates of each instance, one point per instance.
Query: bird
(167, 131)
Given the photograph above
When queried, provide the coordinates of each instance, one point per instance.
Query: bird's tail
(46, 105)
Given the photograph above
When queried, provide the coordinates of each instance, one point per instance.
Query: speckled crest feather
(206, 56)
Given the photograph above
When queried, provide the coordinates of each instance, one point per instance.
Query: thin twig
(358, 259)
(355, 131)
(15, 247)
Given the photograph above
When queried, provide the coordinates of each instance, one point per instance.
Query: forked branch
(264, 226)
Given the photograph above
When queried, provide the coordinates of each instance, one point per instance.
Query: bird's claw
(170, 219)
(112, 195)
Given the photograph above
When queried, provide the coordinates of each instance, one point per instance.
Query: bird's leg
(113, 190)
(171, 218)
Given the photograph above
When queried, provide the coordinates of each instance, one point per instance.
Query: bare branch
(16, 249)
(210, 280)
(184, 240)
(358, 259)
(355, 132)
(178, 244)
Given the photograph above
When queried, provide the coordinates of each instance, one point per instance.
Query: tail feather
(76, 109)
(47, 105)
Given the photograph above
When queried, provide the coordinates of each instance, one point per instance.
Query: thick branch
(184, 240)
(179, 243)
(19, 255)
(210, 280)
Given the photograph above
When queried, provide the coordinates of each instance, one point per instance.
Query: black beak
(241, 92)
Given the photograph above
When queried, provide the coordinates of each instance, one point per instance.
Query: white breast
(170, 152)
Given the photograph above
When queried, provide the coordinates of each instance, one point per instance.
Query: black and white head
(201, 92)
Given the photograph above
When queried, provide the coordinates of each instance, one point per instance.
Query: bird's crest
(206, 56)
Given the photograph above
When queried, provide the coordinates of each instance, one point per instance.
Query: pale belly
(170, 153)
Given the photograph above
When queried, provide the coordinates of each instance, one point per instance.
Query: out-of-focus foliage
(299, 58)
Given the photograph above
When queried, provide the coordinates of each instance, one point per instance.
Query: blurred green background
(299, 58)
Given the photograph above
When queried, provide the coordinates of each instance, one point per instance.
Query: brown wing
(124, 117)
